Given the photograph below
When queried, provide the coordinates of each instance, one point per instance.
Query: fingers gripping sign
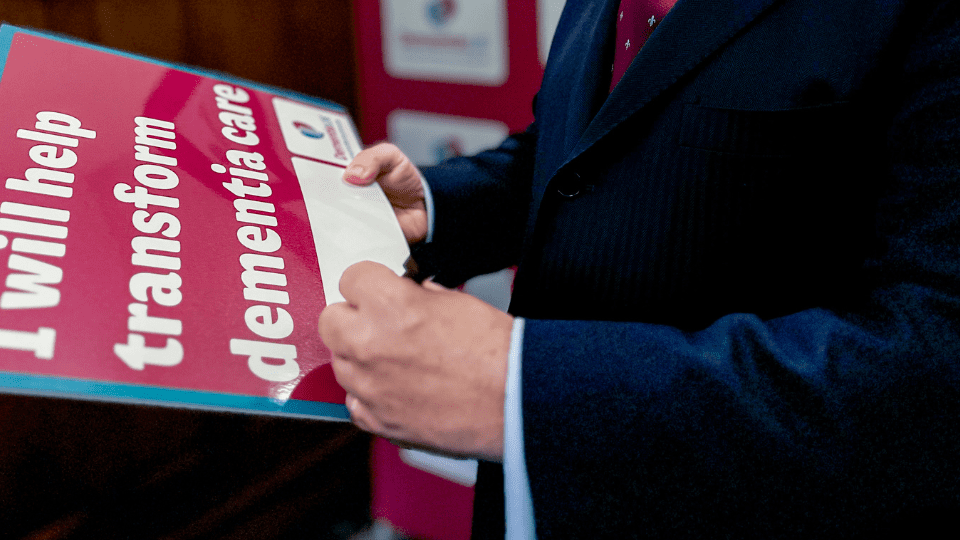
(400, 179)
(421, 364)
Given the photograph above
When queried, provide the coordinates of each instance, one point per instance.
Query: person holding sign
(738, 292)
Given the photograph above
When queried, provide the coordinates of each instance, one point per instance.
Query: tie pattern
(636, 20)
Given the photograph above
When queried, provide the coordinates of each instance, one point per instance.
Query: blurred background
(438, 78)
(277, 42)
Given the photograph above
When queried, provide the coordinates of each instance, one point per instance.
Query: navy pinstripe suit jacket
(740, 270)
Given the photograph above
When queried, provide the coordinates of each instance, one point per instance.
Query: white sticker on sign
(349, 223)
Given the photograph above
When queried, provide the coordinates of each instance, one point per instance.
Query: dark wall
(302, 45)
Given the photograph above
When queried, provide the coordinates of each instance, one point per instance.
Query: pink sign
(155, 243)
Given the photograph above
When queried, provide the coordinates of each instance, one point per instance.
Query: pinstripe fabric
(727, 335)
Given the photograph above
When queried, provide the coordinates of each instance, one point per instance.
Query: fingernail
(355, 174)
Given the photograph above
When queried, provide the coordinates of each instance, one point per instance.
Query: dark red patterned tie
(636, 20)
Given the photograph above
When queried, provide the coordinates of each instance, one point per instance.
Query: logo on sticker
(441, 12)
(307, 130)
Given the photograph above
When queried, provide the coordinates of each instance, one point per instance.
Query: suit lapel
(691, 32)
(577, 74)
(688, 35)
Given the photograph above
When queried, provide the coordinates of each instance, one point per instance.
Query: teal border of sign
(57, 387)
(6, 38)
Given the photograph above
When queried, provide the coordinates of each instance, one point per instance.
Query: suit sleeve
(818, 423)
(480, 210)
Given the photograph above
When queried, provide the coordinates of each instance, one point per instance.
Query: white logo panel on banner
(317, 133)
(428, 138)
(548, 15)
(457, 41)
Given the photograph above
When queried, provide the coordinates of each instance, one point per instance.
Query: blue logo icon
(440, 12)
(307, 130)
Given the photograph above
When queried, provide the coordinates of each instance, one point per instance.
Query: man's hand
(420, 364)
(400, 179)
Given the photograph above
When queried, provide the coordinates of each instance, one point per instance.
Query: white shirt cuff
(519, 501)
(428, 202)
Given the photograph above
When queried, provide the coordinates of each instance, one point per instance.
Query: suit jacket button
(570, 185)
